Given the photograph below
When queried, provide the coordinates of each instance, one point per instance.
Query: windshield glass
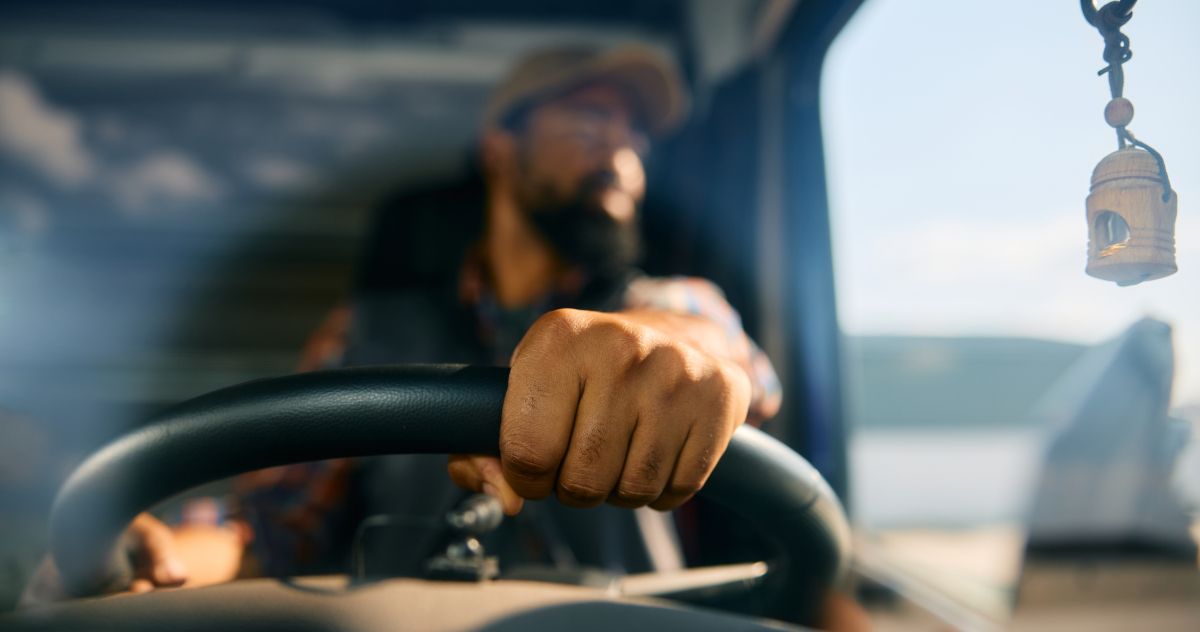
(198, 195)
(184, 195)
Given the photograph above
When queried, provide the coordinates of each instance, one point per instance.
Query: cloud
(280, 173)
(950, 252)
(34, 132)
(966, 276)
(51, 140)
(166, 176)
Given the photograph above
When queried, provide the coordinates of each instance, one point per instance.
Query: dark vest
(408, 309)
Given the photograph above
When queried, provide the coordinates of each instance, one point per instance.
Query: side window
(960, 141)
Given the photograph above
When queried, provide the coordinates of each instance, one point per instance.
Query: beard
(582, 231)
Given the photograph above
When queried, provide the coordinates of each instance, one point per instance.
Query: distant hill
(944, 383)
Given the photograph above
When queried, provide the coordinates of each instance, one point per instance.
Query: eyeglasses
(593, 128)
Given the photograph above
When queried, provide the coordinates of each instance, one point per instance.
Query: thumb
(158, 560)
(483, 474)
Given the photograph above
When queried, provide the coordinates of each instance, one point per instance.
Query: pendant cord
(1108, 20)
(1162, 165)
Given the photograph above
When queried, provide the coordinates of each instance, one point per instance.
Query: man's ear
(497, 152)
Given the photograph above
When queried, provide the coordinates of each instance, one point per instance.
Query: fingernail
(491, 490)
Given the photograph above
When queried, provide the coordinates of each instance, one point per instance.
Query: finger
(544, 387)
(669, 401)
(695, 463)
(603, 426)
(654, 449)
(484, 474)
(141, 586)
(708, 437)
(157, 555)
(244, 531)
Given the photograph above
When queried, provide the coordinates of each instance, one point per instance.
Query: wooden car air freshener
(1131, 209)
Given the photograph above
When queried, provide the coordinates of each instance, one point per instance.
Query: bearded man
(624, 389)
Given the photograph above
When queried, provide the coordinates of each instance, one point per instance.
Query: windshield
(192, 197)
(183, 195)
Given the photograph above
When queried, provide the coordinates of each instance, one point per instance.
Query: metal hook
(1091, 13)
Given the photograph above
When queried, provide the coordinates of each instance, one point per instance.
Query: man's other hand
(157, 560)
(189, 555)
(631, 408)
(203, 554)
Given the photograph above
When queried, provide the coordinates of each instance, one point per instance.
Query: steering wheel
(418, 409)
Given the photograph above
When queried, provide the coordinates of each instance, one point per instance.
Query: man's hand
(632, 408)
(157, 561)
(189, 555)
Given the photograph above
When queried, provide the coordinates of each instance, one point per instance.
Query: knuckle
(685, 488)
(643, 482)
(729, 388)
(719, 381)
(735, 375)
(574, 491)
(671, 368)
(674, 358)
(650, 468)
(712, 441)
(526, 462)
(554, 330)
(624, 347)
(591, 446)
(560, 323)
(639, 491)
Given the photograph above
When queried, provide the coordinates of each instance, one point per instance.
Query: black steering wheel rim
(416, 409)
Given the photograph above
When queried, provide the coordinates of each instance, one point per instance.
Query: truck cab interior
(185, 189)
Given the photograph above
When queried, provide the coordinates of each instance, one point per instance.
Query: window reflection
(1112, 233)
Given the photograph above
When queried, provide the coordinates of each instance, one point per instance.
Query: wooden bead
(1118, 112)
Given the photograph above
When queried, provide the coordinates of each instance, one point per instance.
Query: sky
(960, 138)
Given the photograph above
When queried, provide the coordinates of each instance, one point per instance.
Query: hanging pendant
(1131, 227)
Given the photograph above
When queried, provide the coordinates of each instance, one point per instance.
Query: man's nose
(631, 175)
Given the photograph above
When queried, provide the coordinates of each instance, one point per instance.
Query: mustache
(584, 232)
(593, 185)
